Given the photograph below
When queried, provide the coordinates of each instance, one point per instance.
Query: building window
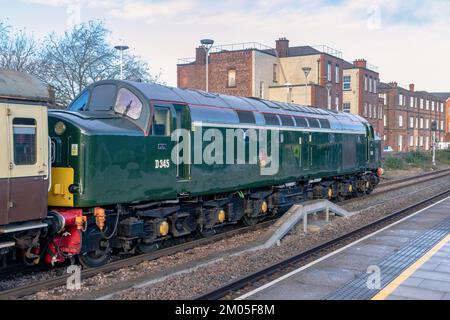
(421, 141)
(427, 143)
(347, 107)
(421, 123)
(411, 102)
(380, 112)
(428, 104)
(427, 123)
(400, 143)
(385, 120)
(400, 99)
(385, 138)
(366, 80)
(365, 109)
(261, 89)
(400, 121)
(329, 71)
(232, 78)
(370, 110)
(432, 105)
(375, 85)
(411, 122)
(411, 141)
(338, 73)
(336, 100)
(275, 73)
(347, 83)
(442, 125)
(370, 84)
(384, 97)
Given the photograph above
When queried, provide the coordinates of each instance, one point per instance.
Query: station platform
(409, 259)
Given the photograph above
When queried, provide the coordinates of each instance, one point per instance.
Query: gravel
(229, 268)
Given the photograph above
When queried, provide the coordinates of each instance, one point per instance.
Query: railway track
(58, 281)
(280, 268)
(393, 185)
(34, 287)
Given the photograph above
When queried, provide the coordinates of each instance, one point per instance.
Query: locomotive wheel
(250, 221)
(146, 248)
(207, 232)
(96, 258)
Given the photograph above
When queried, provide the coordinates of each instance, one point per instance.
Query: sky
(409, 41)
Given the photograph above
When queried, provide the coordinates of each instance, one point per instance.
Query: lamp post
(306, 72)
(121, 48)
(329, 86)
(207, 45)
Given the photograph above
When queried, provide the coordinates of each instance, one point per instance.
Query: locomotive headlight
(60, 128)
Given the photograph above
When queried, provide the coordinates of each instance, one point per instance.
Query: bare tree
(17, 50)
(82, 56)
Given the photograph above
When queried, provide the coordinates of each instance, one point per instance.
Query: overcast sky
(408, 40)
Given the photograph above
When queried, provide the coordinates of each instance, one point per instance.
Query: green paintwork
(116, 160)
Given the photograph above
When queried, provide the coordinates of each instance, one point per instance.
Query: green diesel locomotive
(141, 163)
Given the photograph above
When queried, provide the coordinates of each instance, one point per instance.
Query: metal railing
(186, 60)
(328, 50)
(241, 46)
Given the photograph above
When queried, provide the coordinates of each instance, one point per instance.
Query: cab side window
(24, 141)
(81, 103)
(161, 121)
(128, 104)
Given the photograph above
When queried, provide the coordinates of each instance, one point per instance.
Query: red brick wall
(193, 75)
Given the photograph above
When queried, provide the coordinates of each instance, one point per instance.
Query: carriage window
(80, 103)
(161, 122)
(24, 139)
(287, 121)
(271, 119)
(313, 123)
(103, 97)
(301, 122)
(325, 123)
(246, 116)
(128, 104)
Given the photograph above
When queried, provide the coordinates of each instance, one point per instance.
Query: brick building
(252, 69)
(360, 92)
(408, 117)
(446, 97)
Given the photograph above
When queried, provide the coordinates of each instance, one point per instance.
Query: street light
(306, 72)
(207, 45)
(121, 49)
(329, 86)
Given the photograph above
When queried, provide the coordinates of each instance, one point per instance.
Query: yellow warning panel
(59, 195)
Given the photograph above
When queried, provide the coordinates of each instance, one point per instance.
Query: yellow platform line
(383, 294)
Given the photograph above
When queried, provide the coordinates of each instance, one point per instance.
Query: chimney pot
(282, 47)
(360, 63)
(411, 87)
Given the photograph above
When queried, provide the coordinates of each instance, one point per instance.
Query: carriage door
(183, 151)
(28, 162)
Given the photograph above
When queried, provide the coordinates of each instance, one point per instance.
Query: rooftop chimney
(393, 84)
(282, 47)
(200, 55)
(411, 87)
(360, 63)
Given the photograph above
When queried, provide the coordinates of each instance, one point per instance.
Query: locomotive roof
(228, 103)
(225, 109)
(16, 85)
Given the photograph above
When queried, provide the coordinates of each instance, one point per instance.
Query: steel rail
(58, 281)
(245, 281)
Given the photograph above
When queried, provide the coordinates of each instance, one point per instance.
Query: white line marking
(267, 285)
